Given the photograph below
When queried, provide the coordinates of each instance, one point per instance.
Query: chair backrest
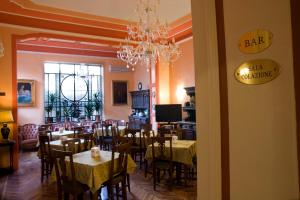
(70, 145)
(114, 131)
(161, 150)
(45, 127)
(121, 122)
(88, 140)
(146, 139)
(44, 145)
(133, 134)
(96, 125)
(121, 163)
(162, 132)
(105, 128)
(78, 130)
(146, 127)
(29, 131)
(59, 161)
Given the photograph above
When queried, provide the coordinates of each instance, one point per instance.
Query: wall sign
(255, 41)
(257, 71)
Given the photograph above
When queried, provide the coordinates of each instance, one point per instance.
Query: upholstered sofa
(28, 136)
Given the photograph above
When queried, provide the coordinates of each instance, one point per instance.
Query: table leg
(11, 161)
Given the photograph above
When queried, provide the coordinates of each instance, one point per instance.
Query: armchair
(28, 136)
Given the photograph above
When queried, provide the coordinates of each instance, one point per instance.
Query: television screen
(168, 112)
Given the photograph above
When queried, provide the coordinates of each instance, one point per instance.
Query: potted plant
(66, 110)
(89, 109)
(49, 108)
(58, 117)
(98, 103)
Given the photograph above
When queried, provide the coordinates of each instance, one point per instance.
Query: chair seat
(29, 144)
(29, 141)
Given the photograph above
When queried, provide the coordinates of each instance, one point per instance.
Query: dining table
(94, 171)
(57, 144)
(57, 134)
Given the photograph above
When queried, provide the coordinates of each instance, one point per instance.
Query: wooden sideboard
(140, 108)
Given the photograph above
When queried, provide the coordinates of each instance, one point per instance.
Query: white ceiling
(169, 10)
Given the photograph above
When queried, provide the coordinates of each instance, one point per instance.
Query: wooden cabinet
(189, 106)
(140, 108)
(189, 123)
(140, 99)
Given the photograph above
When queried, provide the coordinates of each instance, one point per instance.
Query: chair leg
(42, 170)
(124, 194)
(146, 168)
(117, 191)
(154, 179)
(128, 182)
(110, 192)
(47, 169)
(141, 159)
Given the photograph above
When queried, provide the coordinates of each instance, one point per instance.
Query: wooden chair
(164, 132)
(136, 149)
(120, 123)
(45, 155)
(88, 140)
(70, 145)
(146, 127)
(95, 126)
(45, 127)
(118, 173)
(66, 184)
(161, 158)
(147, 140)
(106, 140)
(78, 130)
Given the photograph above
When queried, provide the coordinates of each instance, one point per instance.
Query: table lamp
(5, 117)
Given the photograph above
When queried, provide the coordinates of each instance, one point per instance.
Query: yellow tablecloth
(56, 144)
(94, 171)
(183, 151)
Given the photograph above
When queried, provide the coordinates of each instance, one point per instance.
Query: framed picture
(26, 92)
(119, 92)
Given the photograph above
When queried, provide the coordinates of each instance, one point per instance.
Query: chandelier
(147, 39)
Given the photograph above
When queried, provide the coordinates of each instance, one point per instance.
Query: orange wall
(30, 66)
(182, 73)
(141, 75)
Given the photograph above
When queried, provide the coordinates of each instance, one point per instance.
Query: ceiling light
(147, 40)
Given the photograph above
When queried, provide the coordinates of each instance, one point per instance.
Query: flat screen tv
(168, 113)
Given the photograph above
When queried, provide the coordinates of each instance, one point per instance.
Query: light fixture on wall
(1, 49)
(148, 39)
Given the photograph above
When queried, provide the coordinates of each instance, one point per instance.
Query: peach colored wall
(6, 86)
(30, 66)
(182, 73)
(141, 75)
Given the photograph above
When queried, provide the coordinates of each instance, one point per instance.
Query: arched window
(70, 89)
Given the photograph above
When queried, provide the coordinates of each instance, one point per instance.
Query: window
(70, 89)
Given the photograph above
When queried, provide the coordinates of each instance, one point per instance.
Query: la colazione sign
(257, 71)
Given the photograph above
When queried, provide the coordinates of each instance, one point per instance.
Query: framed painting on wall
(119, 92)
(26, 92)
